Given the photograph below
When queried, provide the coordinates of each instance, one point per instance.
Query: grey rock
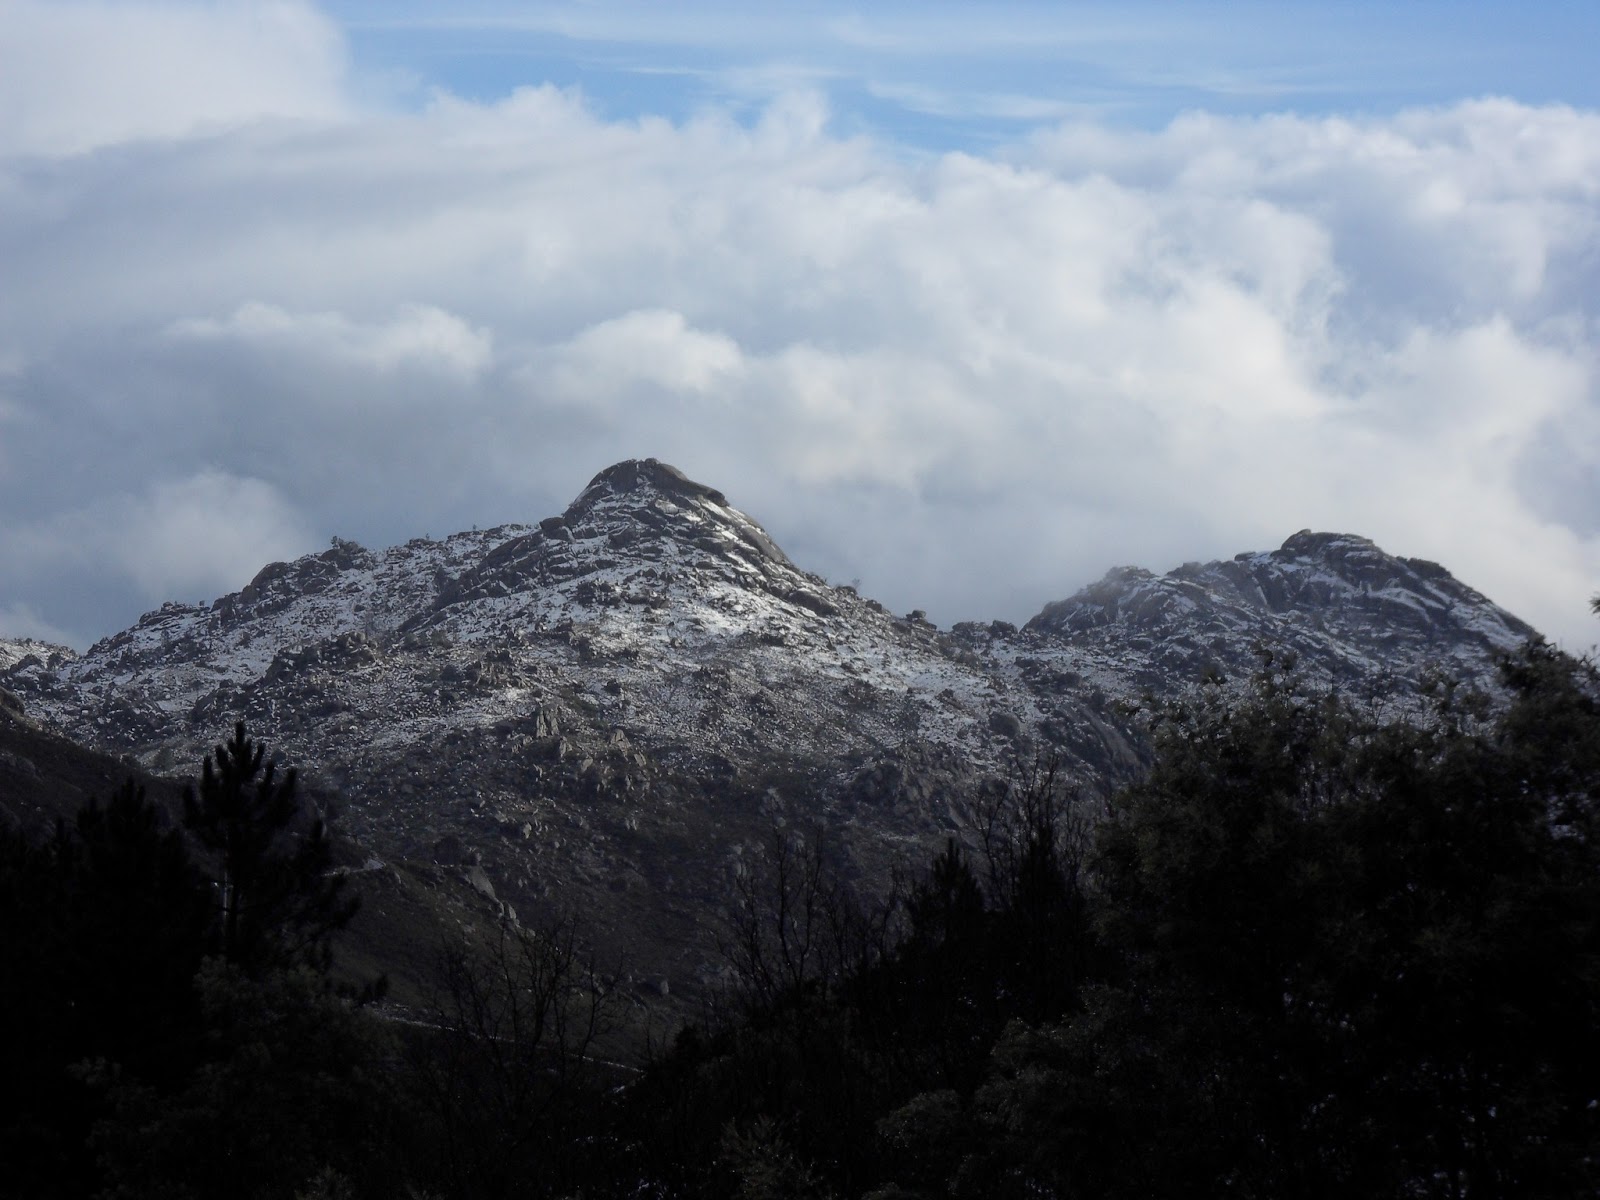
(608, 721)
(807, 599)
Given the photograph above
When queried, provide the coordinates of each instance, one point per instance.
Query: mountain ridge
(610, 708)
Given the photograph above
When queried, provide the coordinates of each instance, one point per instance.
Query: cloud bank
(235, 327)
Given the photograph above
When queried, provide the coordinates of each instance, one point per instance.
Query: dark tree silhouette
(138, 916)
(101, 932)
(504, 1068)
(277, 900)
(1360, 959)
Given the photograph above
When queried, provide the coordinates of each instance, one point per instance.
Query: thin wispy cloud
(1149, 58)
(1008, 106)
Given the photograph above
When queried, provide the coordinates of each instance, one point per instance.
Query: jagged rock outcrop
(14, 650)
(606, 710)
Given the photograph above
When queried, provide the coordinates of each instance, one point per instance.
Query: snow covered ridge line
(644, 537)
(1310, 572)
(14, 650)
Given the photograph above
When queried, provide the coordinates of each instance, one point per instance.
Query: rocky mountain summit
(609, 710)
(1348, 614)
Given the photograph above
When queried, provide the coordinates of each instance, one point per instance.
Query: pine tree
(283, 1082)
(278, 901)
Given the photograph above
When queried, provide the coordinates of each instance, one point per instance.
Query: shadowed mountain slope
(607, 710)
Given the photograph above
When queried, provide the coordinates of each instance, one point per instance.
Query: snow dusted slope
(608, 710)
(137, 689)
(14, 650)
(1347, 614)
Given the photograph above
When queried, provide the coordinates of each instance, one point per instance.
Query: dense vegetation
(1312, 953)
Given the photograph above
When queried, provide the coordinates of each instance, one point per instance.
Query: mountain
(607, 712)
(1350, 615)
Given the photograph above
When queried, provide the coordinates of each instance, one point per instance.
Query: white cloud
(652, 349)
(418, 335)
(975, 382)
(203, 535)
(86, 73)
(183, 538)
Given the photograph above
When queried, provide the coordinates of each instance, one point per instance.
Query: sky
(965, 303)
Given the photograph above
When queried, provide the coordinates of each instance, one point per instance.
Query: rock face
(14, 650)
(1349, 614)
(607, 711)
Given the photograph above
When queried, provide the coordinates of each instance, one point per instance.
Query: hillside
(606, 711)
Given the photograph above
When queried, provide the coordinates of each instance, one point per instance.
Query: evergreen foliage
(289, 1084)
(278, 901)
(175, 1031)
(1379, 945)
